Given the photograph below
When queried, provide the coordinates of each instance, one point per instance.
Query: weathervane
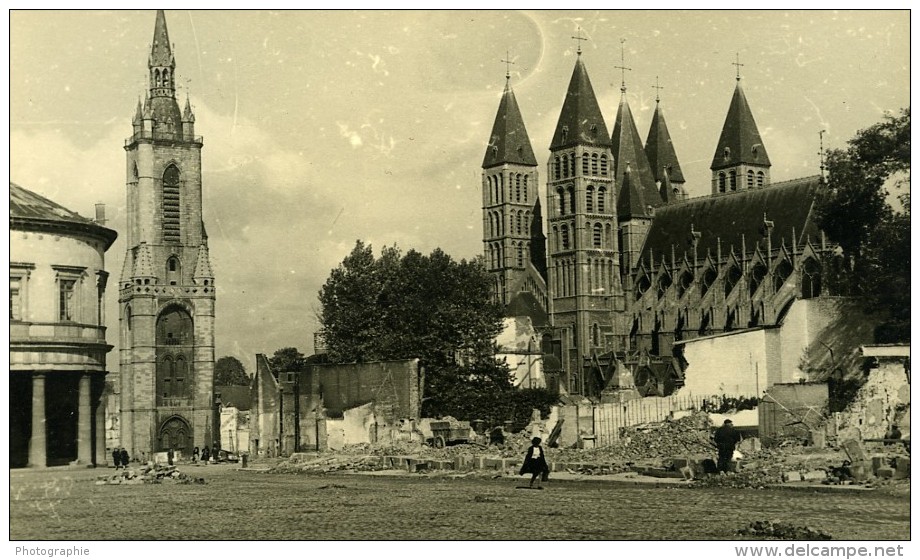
(738, 65)
(658, 90)
(622, 66)
(579, 38)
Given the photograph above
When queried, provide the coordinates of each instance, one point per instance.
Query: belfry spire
(659, 149)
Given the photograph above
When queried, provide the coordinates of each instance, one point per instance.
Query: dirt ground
(254, 504)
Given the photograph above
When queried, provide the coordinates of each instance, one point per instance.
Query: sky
(324, 127)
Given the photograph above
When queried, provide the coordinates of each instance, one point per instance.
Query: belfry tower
(166, 291)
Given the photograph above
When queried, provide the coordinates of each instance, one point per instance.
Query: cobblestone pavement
(235, 504)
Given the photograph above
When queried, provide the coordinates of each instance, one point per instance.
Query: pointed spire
(631, 203)
(659, 149)
(143, 263)
(580, 121)
(509, 142)
(188, 115)
(160, 49)
(740, 141)
(667, 189)
(627, 148)
(138, 114)
(203, 266)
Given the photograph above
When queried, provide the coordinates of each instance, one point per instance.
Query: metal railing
(161, 135)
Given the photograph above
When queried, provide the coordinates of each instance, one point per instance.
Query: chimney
(100, 213)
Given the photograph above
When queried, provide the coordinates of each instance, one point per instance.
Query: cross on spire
(737, 64)
(658, 90)
(508, 62)
(821, 150)
(579, 38)
(622, 66)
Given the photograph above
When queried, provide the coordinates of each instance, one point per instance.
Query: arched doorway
(175, 434)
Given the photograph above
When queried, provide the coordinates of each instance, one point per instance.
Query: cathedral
(166, 290)
(629, 267)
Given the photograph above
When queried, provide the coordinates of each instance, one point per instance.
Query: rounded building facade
(57, 333)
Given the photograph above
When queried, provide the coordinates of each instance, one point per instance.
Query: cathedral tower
(740, 161)
(662, 158)
(510, 203)
(584, 267)
(166, 291)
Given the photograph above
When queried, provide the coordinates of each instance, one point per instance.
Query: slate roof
(660, 150)
(580, 121)
(525, 304)
(631, 203)
(33, 211)
(740, 136)
(161, 49)
(509, 142)
(627, 150)
(730, 216)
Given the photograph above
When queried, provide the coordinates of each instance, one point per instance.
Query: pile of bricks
(784, 531)
(150, 474)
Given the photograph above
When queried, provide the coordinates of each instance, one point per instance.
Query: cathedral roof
(726, 218)
(627, 151)
(660, 150)
(740, 142)
(580, 121)
(33, 211)
(509, 142)
(525, 304)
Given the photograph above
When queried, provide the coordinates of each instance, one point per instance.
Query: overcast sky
(321, 128)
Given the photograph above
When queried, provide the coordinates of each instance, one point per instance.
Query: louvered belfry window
(171, 206)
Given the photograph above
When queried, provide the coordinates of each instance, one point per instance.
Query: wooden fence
(610, 418)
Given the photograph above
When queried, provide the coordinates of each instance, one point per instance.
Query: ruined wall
(884, 400)
(792, 410)
(733, 364)
(392, 386)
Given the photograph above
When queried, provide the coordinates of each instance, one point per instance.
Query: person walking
(124, 458)
(726, 438)
(195, 454)
(116, 457)
(535, 462)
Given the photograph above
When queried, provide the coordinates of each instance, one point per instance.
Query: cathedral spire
(631, 203)
(660, 150)
(580, 121)
(509, 142)
(162, 79)
(627, 149)
(740, 160)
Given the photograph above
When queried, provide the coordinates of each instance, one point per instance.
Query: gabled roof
(728, 217)
(525, 304)
(580, 121)
(33, 211)
(740, 136)
(509, 142)
(627, 150)
(660, 150)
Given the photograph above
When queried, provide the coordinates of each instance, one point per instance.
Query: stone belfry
(584, 262)
(166, 291)
(510, 202)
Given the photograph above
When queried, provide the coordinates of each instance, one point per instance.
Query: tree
(287, 360)
(230, 371)
(415, 306)
(875, 237)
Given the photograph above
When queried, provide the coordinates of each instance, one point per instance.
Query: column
(84, 423)
(38, 441)
(101, 455)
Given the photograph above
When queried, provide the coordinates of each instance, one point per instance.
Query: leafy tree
(429, 307)
(874, 237)
(287, 359)
(230, 371)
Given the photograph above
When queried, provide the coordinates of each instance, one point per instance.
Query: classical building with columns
(57, 333)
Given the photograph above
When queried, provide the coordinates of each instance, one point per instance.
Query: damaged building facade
(327, 406)
(630, 271)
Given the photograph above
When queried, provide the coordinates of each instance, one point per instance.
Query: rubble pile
(150, 474)
(783, 531)
(329, 463)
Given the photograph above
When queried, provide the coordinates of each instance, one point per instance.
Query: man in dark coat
(116, 457)
(726, 438)
(124, 458)
(535, 462)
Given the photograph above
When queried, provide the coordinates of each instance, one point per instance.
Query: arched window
(601, 195)
(686, 279)
(664, 282)
(564, 230)
(732, 180)
(171, 207)
(604, 165)
(782, 272)
(517, 187)
(520, 255)
(811, 279)
(598, 235)
(174, 343)
(758, 273)
(527, 223)
(557, 172)
(156, 78)
(560, 201)
(572, 164)
(565, 165)
(708, 278)
(596, 334)
(589, 199)
(731, 279)
(557, 241)
(594, 163)
(750, 179)
(173, 271)
(572, 204)
(585, 163)
(721, 181)
(525, 189)
(518, 219)
(165, 78)
(760, 178)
